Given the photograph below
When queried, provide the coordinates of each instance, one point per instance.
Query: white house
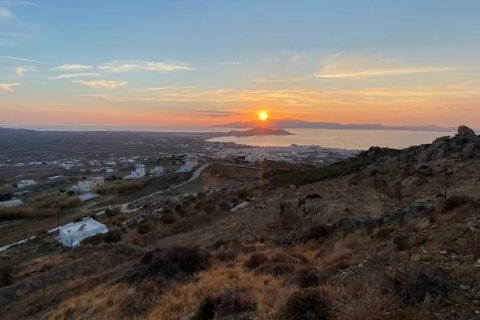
(137, 173)
(11, 203)
(157, 171)
(25, 183)
(188, 166)
(90, 184)
(71, 234)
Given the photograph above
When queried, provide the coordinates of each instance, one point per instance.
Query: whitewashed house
(188, 166)
(25, 183)
(137, 173)
(157, 171)
(71, 234)
(90, 184)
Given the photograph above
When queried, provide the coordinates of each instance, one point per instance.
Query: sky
(192, 63)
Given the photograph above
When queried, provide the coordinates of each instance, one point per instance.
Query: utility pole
(58, 215)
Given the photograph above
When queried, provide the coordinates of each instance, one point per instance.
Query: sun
(263, 115)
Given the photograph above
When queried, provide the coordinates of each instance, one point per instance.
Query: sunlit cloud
(215, 113)
(72, 67)
(104, 84)
(340, 67)
(76, 75)
(21, 70)
(9, 87)
(138, 65)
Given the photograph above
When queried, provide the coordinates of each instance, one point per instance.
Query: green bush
(113, 236)
(6, 277)
(143, 228)
(168, 218)
(95, 239)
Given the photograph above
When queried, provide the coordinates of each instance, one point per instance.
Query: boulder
(464, 131)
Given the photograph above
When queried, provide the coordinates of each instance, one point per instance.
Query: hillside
(388, 234)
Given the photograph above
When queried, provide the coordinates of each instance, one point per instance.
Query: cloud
(8, 86)
(5, 13)
(105, 84)
(232, 63)
(138, 65)
(340, 67)
(21, 70)
(215, 113)
(18, 59)
(72, 67)
(20, 3)
(76, 75)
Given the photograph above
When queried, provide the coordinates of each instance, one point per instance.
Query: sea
(330, 138)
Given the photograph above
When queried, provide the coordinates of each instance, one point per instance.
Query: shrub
(307, 304)
(308, 277)
(275, 269)
(413, 284)
(113, 236)
(167, 218)
(143, 228)
(456, 201)
(318, 232)
(6, 277)
(177, 263)
(227, 303)
(95, 239)
(255, 260)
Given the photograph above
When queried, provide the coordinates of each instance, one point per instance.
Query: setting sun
(263, 115)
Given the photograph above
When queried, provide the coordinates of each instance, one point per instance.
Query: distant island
(258, 131)
(302, 124)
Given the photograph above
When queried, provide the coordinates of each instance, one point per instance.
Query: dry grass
(182, 300)
(99, 303)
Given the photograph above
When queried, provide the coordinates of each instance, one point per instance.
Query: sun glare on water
(263, 115)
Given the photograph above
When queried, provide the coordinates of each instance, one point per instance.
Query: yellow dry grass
(182, 300)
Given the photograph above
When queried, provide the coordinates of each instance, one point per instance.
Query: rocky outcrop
(464, 131)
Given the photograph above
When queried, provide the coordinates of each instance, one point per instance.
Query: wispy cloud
(104, 84)
(5, 13)
(21, 70)
(12, 58)
(231, 63)
(20, 3)
(8, 86)
(215, 113)
(72, 67)
(138, 65)
(359, 67)
(76, 75)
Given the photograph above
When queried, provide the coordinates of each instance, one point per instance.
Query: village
(61, 194)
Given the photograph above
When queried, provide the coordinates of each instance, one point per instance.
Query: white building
(90, 184)
(26, 183)
(157, 171)
(188, 166)
(11, 203)
(137, 173)
(73, 233)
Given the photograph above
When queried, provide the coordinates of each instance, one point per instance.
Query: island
(258, 131)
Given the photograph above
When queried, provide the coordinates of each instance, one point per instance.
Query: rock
(473, 226)
(424, 169)
(468, 150)
(410, 181)
(464, 131)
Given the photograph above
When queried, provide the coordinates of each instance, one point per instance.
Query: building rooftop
(74, 228)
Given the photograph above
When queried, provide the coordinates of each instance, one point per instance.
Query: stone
(464, 131)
